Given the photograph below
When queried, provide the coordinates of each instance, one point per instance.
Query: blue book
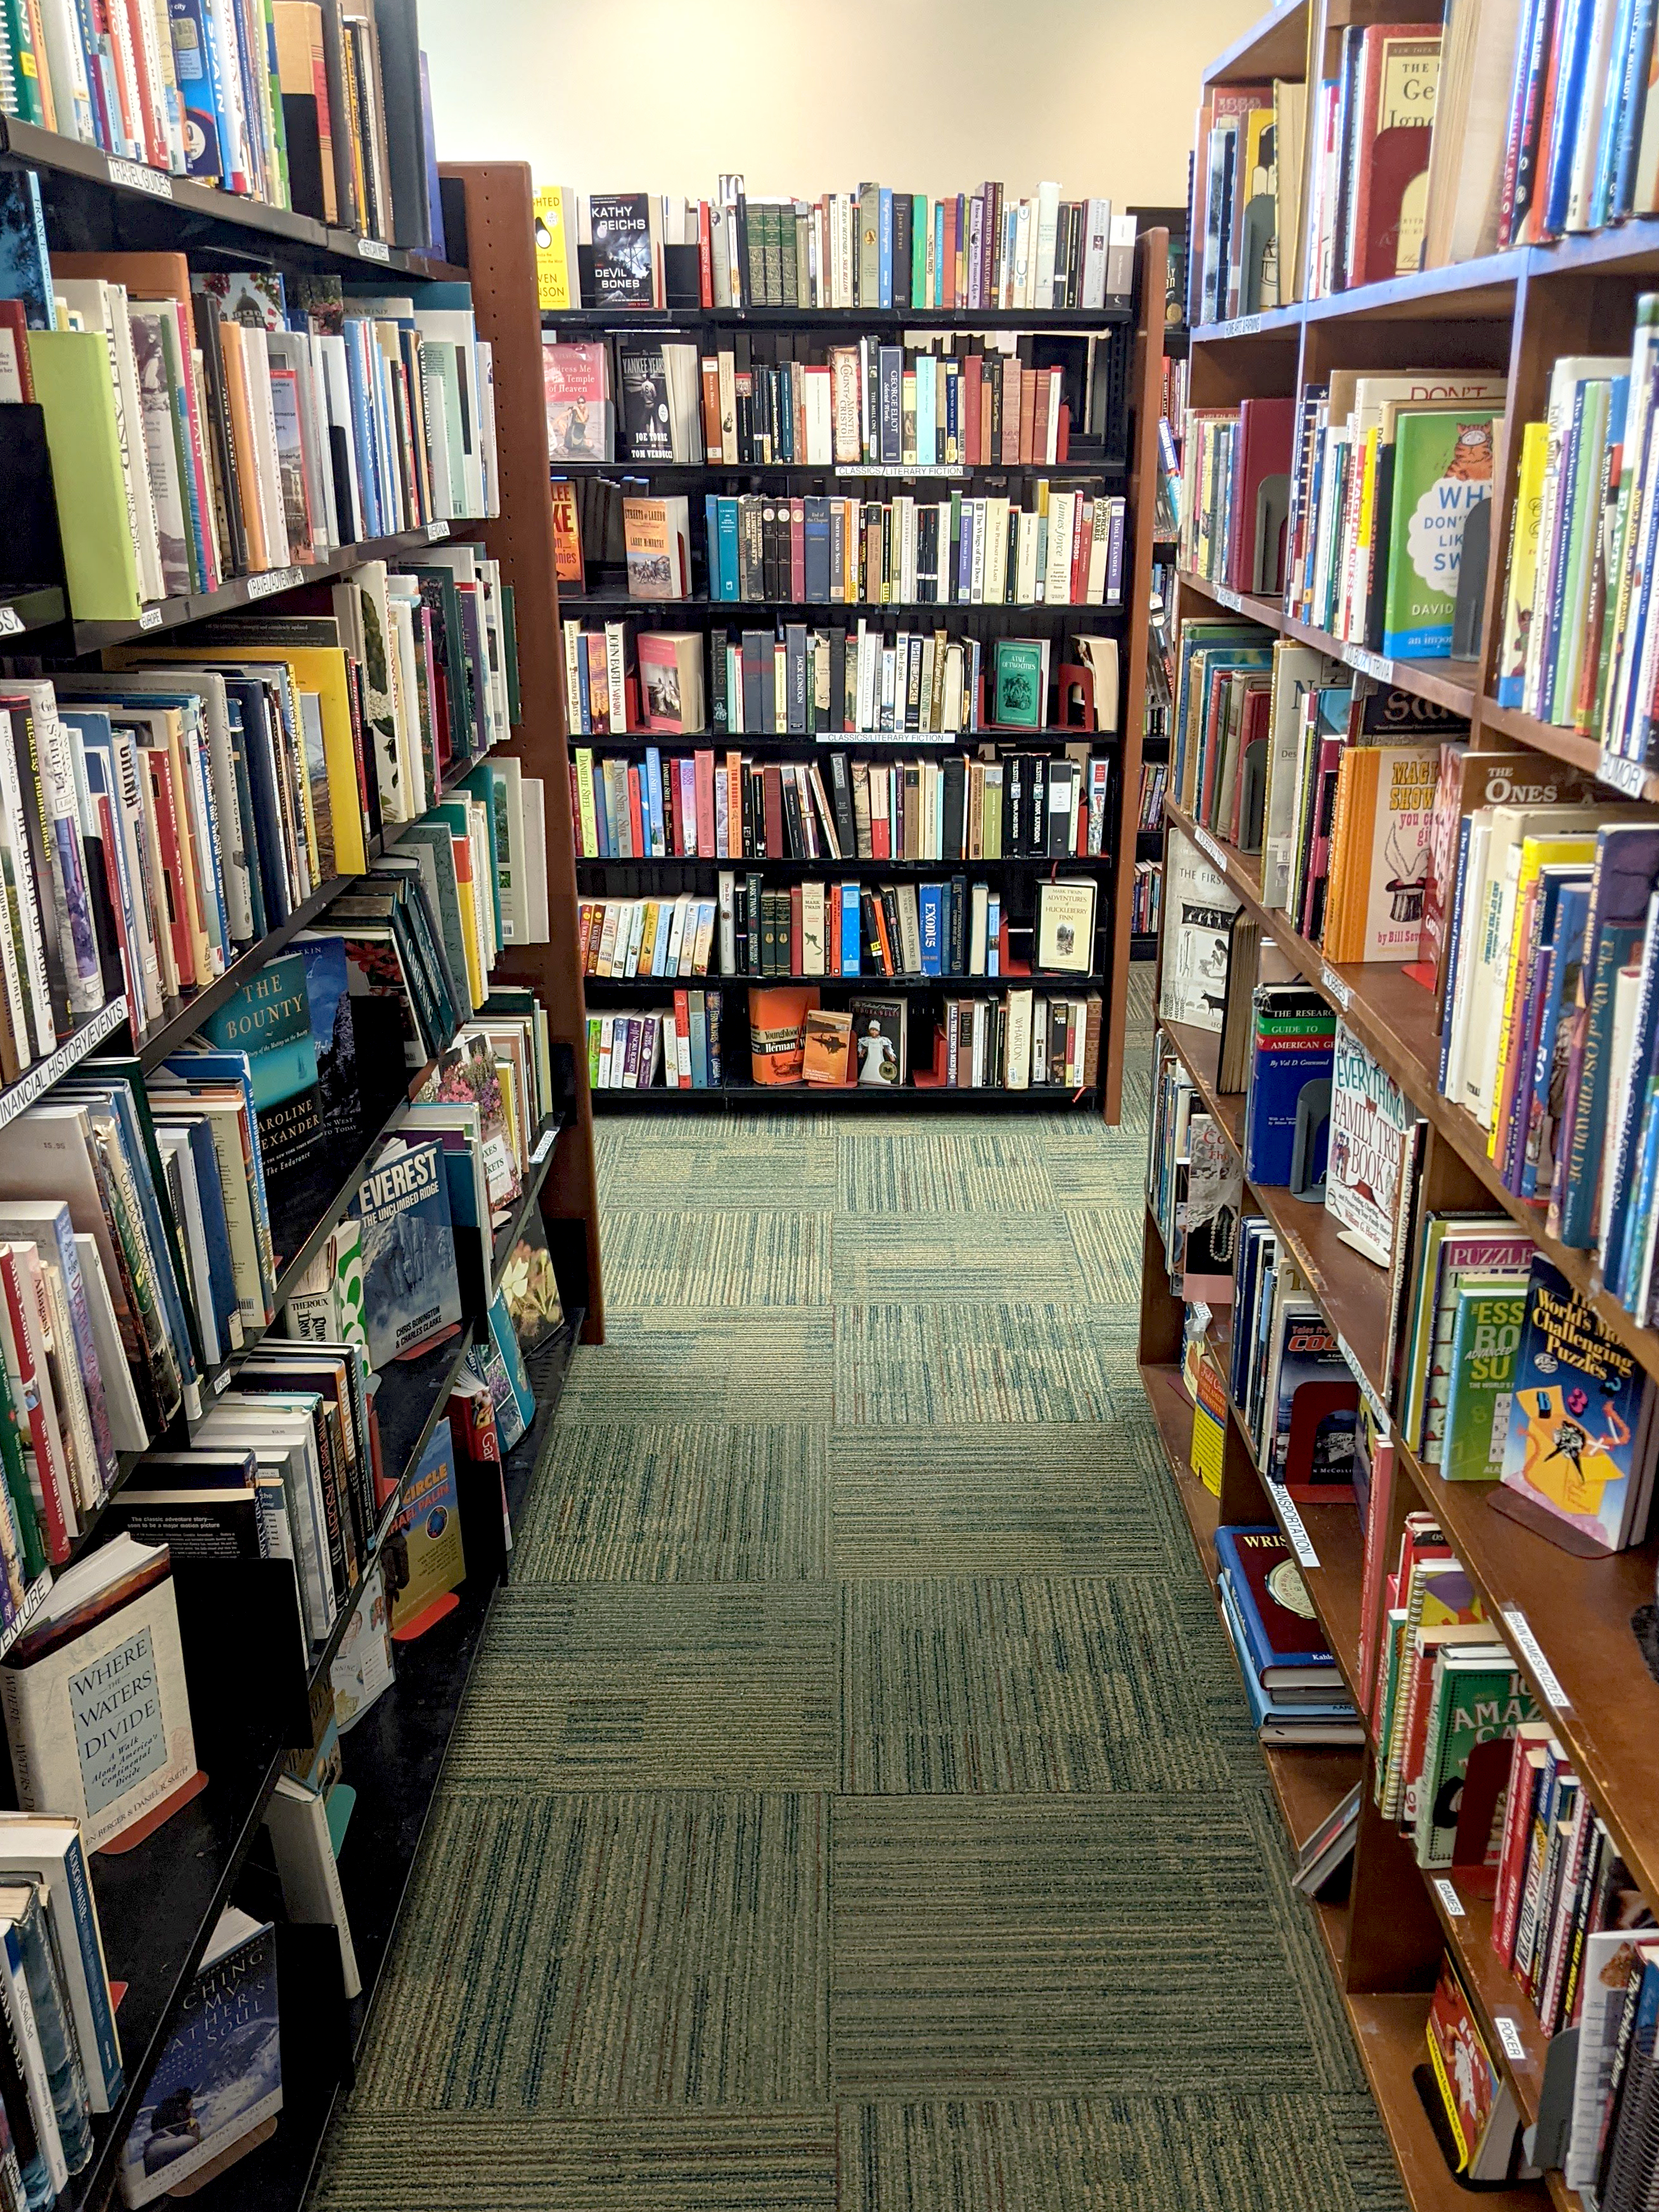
(1635, 28)
(215, 1226)
(1551, 597)
(849, 929)
(656, 821)
(1626, 872)
(1560, 995)
(1454, 940)
(1626, 1224)
(1292, 1044)
(1569, 67)
(938, 299)
(334, 1042)
(584, 689)
(885, 244)
(24, 260)
(1279, 1640)
(711, 525)
(92, 1081)
(1635, 1216)
(411, 1291)
(193, 1068)
(729, 550)
(817, 542)
(932, 938)
(994, 934)
(602, 811)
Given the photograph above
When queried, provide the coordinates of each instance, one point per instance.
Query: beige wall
(929, 95)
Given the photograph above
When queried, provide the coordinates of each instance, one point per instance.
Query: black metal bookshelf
(1072, 321)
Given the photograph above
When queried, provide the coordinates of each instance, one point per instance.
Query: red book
(973, 390)
(795, 930)
(679, 1048)
(704, 781)
(1028, 384)
(1255, 529)
(1082, 539)
(1063, 441)
(173, 869)
(1012, 379)
(1527, 1761)
(798, 548)
(635, 817)
(772, 789)
(1390, 143)
(705, 257)
(734, 806)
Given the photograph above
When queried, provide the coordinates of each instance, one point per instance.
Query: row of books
(203, 425)
(1060, 548)
(1244, 210)
(949, 929)
(796, 680)
(1147, 899)
(938, 400)
(1154, 780)
(875, 247)
(1296, 1691)
(309, 104)
(1021, 804)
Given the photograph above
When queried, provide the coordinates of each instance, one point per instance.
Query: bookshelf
(159, 1902)
(1567, 1619)
(1119, 461)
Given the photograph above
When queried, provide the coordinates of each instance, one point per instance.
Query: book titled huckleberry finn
(411, 1290)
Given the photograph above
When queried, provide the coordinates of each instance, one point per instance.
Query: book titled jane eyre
(221, 2076)
(411, 1291)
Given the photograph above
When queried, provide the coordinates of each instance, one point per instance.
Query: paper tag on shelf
(1211, 850)
(543, 1146)
(11, 622)
(1301, 1543)
(1368, 663)
(1448, 1897)
(1225, 598)
(1543, 1674)
(139, 179)
(271, 580)
(1334, 986)
(1509, 2035)
(1244, 326)
(373, 249)
(437, 530)
(221, 1379)
(1626, 776)
(149, 618)
(1378, 1410)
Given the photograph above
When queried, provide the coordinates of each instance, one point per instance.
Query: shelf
(22, 611)
(1172, 1411)
(265, 584)
(664, 986)
(185, 1016)
(1091, 862)
(850, 471)
(620, 602)
(1453, 684)
(838, 318)
(528, 1203)
(854, 1096)
(1310, 1784)
(813, 745)
(1277, 45)
(51, 151)
(1561, 744)
(1389, 2031)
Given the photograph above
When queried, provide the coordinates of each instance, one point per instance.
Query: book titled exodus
(411, 1289)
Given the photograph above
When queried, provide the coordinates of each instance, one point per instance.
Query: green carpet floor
(854, 1805)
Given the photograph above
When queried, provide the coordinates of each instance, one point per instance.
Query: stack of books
(875, 247)
(1296, 1691)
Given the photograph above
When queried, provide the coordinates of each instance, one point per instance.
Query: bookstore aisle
(854, 1804)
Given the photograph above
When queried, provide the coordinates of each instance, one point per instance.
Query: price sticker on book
(373, 249)
(11, 623)
(1626, 776)
(1211, 850)
(1379, 1411)
(138, 179)
(1538, 1665)
(435, 531)
(149, 618)
(1368, 663)
(1448, 1897)
(1334, 986)
(269, 581)
(1301, 1542)
(1509, 2035)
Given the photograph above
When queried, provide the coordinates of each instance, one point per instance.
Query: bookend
(1545, 2143)
(1311, 1141)
(1077, 697)
(1517, 1506)
(1428, 2091)
(31, 551)
(1469, 606)
(1485, 1780)
(157, 1817)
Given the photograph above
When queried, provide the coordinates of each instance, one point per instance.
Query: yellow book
(558, 279)
(590, 827)
(1365, 524)
(73, 385)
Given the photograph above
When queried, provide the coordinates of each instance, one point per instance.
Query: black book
(756, 925)
(838, 680)
(349, 213)
(794, 829)
(403, 120)
(740, 925)
(796, 662)
(719, 720)
(873, 958)
(954, 770)
(768, 581)
(958, 940)
(841, 795)
(227, 486)
(888, 897)
(1037, 820)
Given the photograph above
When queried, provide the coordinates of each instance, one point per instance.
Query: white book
(47, 1849)
(126, 1423)
(297, 1817)
(1048, 215)
(1098, 223)
(31, 2059)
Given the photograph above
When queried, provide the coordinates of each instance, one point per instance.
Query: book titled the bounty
(270, 1020)
(1443, 471)
(221, 2076)
(96, 1710)
(411, 1291)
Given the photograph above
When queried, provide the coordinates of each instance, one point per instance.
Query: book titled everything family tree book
(425, 1562)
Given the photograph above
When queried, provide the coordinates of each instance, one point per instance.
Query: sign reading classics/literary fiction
(1368, 1120)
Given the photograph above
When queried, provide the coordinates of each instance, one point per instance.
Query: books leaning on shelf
(703, 806)
(1147, 899)
(312, 106)
(875, 247)
(207, 425)
(1296, 1691)
(1480, 2117)
(1244, 221)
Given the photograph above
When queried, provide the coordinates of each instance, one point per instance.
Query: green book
(1486, 1339)
(921, 232)
(1443, 470)
(75, 386)
(1478, 1697)
(1017, 695)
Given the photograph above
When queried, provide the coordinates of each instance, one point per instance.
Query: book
(827, 1045)
(777, 1023)
(297, 1819)
(880, 1043)
(411, 1293)
(1486, 1339)
(624, 270)
(1464, 2070)
(1370, 1119)
(1286, 1641)
(269, 1019)
(424, 1558)
(657, 534)
(558, 274)
(219, 2076)
(1065, 938)
(1443, 470)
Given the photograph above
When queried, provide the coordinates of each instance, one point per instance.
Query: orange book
(777, 1023)
(241, 433)
(567, 534)
(827, 1045)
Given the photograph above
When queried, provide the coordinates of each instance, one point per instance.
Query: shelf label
(435, 531)
(40, 1079)
(1448, 1897)
(1334, 986)
(1301, 1543)
(1211, 850)
(269, 581)
(149, 618)
(373, 249)
(1225, 597)
(1543, 1674)
(1368, 663)
(221, 1379)
(898, 470)
(11, 623)
(544, 1145)
(139, 179)
(1626, 776)
(1378, 1411)
(1509, 2035)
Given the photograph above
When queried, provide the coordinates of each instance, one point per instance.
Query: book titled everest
(411, 1290)
(221, 2076)
(96, 1710)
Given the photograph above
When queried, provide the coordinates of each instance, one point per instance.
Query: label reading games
(137, 179)
(1448, 1897)
(1538, 1665)
(1509, 2035)
(1290, 1520)
(269, 581)
(1626, 776)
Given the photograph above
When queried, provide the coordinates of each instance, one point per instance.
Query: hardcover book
(411, 1291)
(576, 388)
(879, 1041)
(1370, 1119)
(424, 1561)
(1485, 1337)
(623, 256)
(1315, 1412)
(1443, 470)
(1281, 1628)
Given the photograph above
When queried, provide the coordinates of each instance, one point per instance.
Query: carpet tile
(1107, 1244)
(684, 1363)
(678, 1501)
(941, 1259)
(1015, 1946)
(627, 1950)
(995, 1360)
(924, 1170)
(647, 1685)
(772, 1257)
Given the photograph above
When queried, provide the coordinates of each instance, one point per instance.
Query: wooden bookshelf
(1565, 1619)
(1126, 461)
(159, 1903)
